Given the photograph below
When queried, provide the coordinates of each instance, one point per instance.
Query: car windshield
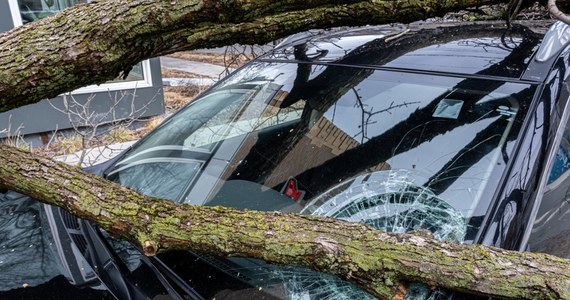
(397, 150)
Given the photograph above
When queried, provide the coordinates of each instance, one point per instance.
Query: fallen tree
(94, 43)
(91, 45)
(377, 261)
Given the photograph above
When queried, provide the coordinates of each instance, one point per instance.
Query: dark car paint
(508, 221)
(412, 50)
(26, 259)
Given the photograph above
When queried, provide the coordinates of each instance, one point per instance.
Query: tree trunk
(377, 261)
(92, 43)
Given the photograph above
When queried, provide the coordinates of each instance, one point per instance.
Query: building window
(33, 10)
(26, 11)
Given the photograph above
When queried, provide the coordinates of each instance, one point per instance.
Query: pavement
(199, 68)
(188, 81)
(209, 73)
(94, 156)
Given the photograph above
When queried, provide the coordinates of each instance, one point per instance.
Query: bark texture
(377, 261)
(92, 43)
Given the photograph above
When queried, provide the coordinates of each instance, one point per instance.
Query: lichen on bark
(93, 43)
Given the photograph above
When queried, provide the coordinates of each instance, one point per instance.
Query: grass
(176, 97)
(15, 138)
(119, 134)
(66, 144)
(152, 124)
(16, 141)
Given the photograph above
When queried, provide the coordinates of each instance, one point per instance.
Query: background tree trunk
(92, 43)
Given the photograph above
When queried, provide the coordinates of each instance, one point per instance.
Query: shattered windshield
(398, 151)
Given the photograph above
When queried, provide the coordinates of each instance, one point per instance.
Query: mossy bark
(93, 43)
(377, 261)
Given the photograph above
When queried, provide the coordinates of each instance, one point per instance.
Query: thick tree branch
(375, 260)
(86, 45)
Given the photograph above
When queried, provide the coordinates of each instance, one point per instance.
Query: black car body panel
(523, 190)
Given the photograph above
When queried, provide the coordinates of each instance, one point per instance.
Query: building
(143, 86)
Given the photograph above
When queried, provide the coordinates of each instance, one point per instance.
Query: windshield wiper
(161, 270)
(114, 274)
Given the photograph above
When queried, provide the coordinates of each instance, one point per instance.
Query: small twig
(556, 13)
(393, 37)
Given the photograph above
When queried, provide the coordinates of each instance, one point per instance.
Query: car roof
(479, 49)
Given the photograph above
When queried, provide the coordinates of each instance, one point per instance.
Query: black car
(458, 129)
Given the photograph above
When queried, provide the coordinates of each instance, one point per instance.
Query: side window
(551, 227)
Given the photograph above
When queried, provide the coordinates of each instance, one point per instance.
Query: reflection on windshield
(552, 223)
(265, 127)
(37, 256)
(25, 241)
(398, 151)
